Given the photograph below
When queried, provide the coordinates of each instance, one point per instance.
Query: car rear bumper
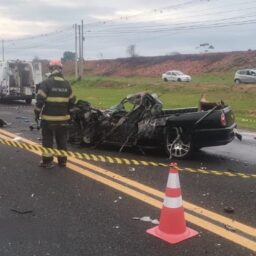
(213, 137)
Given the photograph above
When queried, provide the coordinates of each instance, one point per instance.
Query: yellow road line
(202, 223)
(158, 204)
(189, 206)
(147, 189)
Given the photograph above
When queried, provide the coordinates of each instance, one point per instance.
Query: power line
(126, 17)
(178, 26)
(141, 24)
(40, 35)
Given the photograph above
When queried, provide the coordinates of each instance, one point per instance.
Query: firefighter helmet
(55, 63)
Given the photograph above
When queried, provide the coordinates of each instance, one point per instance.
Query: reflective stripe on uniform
(41, 93)
(55, 118)
(57, 99)
(57, 78)
(173, 202)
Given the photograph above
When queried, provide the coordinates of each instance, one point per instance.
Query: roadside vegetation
(105, 91)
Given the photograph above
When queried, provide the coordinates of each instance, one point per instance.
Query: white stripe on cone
(173, 202)
(173, 180)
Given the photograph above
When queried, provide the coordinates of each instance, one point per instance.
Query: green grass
(103, 92)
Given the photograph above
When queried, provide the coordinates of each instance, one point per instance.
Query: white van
(18, 79)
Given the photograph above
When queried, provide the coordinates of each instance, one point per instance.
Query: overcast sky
(44, 28)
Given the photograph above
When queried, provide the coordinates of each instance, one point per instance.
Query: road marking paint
(202, 223)
(158, 204)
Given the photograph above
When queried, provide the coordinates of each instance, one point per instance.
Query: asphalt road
(94, 208)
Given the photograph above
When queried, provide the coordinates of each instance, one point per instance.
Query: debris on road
(34, 126)
(229, 209)
(116, 227)
(230, 228)
(118, 199)
(3, 123)
(155, 221)
(22, 212)
(131, 169)
(147, 219)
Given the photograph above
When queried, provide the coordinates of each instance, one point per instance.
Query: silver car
(245, 76)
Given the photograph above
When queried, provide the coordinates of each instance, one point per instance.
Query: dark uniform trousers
(51, 132)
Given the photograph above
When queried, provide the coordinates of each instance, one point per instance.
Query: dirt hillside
(154, 66)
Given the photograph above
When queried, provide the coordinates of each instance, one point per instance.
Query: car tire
(237, 81)
(179, 149)
(28, 101)
(179, 80)
(165, 79)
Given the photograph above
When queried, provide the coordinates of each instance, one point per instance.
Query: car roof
(246, 69)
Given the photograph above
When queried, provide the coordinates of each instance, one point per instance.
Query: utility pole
(82, 48)
(79, 51)
(2, 49)
(76, 71)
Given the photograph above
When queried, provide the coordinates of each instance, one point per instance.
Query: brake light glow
(223, 119)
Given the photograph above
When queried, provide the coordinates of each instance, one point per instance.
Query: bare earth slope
(154, 66)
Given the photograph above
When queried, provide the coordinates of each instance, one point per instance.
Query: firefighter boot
(47, 165)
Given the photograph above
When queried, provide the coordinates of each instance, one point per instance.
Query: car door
(168, 75)
(249, 77)
(173, 76)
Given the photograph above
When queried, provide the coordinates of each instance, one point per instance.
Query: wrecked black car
(140, 120)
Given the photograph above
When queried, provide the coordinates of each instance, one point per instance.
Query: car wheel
(28, 101)
(177, 147)
(237, 81)
(179, 80)
(165, 79)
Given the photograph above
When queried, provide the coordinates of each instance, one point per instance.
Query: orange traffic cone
(172, 227)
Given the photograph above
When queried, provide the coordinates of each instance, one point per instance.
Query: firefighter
(54, 100)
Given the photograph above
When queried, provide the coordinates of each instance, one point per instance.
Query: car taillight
(223, 119)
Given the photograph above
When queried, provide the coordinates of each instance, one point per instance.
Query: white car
(176, 75)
